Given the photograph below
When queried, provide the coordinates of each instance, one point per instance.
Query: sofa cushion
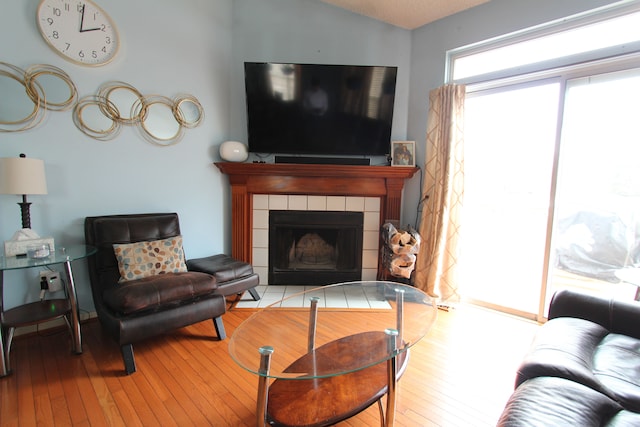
(563, 347)
(616, 363)
(153, 292)
(150, 258)
(550, 401)
(585, 352)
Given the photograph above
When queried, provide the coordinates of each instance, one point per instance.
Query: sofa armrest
(619, 317)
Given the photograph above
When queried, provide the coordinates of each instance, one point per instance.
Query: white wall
(169, 47)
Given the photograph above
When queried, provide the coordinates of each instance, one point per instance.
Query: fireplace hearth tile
(271, 294)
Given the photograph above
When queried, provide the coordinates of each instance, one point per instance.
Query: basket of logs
(399, 250)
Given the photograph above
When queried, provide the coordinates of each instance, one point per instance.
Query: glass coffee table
(317, 365)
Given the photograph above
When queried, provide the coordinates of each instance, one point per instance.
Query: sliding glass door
(597, 210)
(552, 191)
(509, 150)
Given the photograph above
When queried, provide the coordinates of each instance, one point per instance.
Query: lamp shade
(233, 151)
(21, 175)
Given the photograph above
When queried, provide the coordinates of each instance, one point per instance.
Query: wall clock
(79, 30)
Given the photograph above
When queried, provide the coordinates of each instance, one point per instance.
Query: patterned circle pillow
(143, 259)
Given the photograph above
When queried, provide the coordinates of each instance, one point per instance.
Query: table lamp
(22, 176)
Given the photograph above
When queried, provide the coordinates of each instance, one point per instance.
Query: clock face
(78, 30)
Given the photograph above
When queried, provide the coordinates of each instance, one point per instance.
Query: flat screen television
(313, 109)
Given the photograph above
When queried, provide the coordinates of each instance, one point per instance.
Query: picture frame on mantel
(403, 153)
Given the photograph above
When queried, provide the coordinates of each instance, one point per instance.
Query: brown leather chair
(137, 309)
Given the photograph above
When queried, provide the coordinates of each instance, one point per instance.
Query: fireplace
(314, 247)
(257, 188)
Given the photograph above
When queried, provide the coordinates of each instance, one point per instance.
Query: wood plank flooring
(461, 374)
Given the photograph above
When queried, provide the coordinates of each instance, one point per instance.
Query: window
(566, 42)
(550, 140)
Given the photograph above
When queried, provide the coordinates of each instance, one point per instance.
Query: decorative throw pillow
(143, 259)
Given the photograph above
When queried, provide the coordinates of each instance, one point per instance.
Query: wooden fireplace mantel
(247, 179)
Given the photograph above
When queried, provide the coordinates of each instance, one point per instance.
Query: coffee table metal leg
(392, 377)
(313, 317)
(263, 385)
(400, 313)
(73, 304)
(4, 370)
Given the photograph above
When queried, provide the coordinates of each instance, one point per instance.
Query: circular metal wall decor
(123, 96)
(61, 92)
(159, 119)
(19, 106)
(188, 111)
(158, 123)
(94, 116)
(27, 94)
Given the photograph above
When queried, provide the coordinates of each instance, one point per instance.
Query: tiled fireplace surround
(263, 203)
(257, 188)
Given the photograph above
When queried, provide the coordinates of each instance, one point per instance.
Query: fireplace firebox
(314, 247)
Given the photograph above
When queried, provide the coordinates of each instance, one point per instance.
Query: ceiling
(408, 14)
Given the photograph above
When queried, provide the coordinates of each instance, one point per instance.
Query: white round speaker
(233, 151)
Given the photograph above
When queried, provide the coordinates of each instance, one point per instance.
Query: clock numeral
(79, 7)
(66, 7)
(55, 35)
(107, 40)
(81, 54)
(68, 46)
(57, 11)
(50, 21)
(94, 54)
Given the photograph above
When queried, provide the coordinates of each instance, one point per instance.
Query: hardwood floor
(461, 374)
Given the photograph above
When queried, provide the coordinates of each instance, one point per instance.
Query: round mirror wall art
(61, 92)
(95, 117)
(158, 123)
(27, 94)
(188, 111)
(123, 97)
(18, 111)
(160, 120)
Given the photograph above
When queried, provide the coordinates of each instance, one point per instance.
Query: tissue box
(20, 247)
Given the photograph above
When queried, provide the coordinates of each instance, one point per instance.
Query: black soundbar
(323, 160)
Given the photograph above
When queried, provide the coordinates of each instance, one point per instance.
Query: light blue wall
(431, 42)
(198, 47)
(169, 47)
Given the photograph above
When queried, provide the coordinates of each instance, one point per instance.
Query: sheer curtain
(442, 193)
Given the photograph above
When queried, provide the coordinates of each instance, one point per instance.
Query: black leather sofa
(583, 367)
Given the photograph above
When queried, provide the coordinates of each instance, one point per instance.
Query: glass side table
(40, 311)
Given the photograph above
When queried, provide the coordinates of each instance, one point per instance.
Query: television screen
(319, 109)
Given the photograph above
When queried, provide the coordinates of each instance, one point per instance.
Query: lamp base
(20, 246)
(24, 212)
